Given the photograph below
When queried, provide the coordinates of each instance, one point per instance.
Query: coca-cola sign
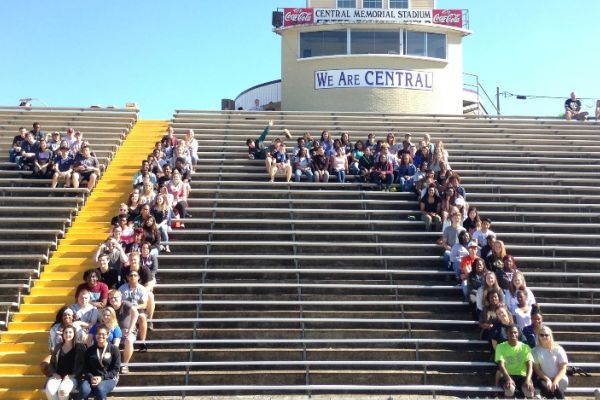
(448, 17)
(297, 16)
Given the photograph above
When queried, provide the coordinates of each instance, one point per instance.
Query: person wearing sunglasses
(135, 293)
(550, 365)
(127, 316)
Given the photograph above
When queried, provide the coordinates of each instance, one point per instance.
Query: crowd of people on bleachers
(506, 309)
(114, 305)
(67, 157)
(391, 165)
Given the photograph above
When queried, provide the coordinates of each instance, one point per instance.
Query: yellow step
(59, 283)
(97, 237)
(10, 394)
(66, 260)
(96, 228)
(45, 317)
(56, 267)
(80, 241)
(64, 276)
(86, 252)
(53, 291)
(23, 382)
(24, 337)
(21, 360)
(29, 326)
(18, 369)
(38, 347)
(47, 307)
(64, 298)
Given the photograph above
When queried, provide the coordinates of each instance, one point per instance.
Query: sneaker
(142, 348)
(393, 189)
(124, 370)
(150, 326)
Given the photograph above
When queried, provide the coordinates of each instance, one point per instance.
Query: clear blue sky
(191, 53)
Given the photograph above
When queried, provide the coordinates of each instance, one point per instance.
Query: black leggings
(180, 207)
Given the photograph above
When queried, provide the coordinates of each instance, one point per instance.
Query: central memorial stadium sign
(302, 16)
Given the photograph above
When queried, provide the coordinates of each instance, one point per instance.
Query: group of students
(115, 303)
(49, 156)
(508, 315)
(391, 165)
(112, 309)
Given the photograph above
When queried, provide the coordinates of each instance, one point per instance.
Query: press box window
(346, 3)
(372, 4)
(374, 42)
(323, 43)
(425, 44)
(398, 3)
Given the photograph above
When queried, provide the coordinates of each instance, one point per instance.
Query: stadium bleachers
(304, 288)
(329, 288)
(31, 222)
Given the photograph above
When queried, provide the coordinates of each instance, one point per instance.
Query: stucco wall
(298, 92)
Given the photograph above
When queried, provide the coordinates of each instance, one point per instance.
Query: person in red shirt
(466, 264)
(98, 289)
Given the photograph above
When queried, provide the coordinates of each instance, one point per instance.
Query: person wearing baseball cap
(466, 265)
(53, 141)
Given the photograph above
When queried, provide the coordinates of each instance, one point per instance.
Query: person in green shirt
(515, 365)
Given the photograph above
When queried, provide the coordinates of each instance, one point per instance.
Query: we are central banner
(376, 77)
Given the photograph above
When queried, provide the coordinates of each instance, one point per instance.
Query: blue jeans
(340, 175)
(447, 262)
(310, 177)
(100, 391)
(456, 269)
(12, 155)
(388, 180)
(406, 185)
(465, 289)
(164, 232)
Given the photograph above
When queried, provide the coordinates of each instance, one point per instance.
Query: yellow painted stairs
(25, 342)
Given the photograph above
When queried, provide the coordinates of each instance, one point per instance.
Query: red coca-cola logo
(448, 17)
(297, 16)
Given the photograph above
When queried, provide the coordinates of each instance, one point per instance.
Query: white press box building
(389, 56)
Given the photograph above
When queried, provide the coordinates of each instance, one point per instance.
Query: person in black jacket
(101, 368)
(66, 362)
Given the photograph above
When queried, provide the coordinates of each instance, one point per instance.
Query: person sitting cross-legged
(573, 109)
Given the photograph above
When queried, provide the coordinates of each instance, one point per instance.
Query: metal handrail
(478, 88)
